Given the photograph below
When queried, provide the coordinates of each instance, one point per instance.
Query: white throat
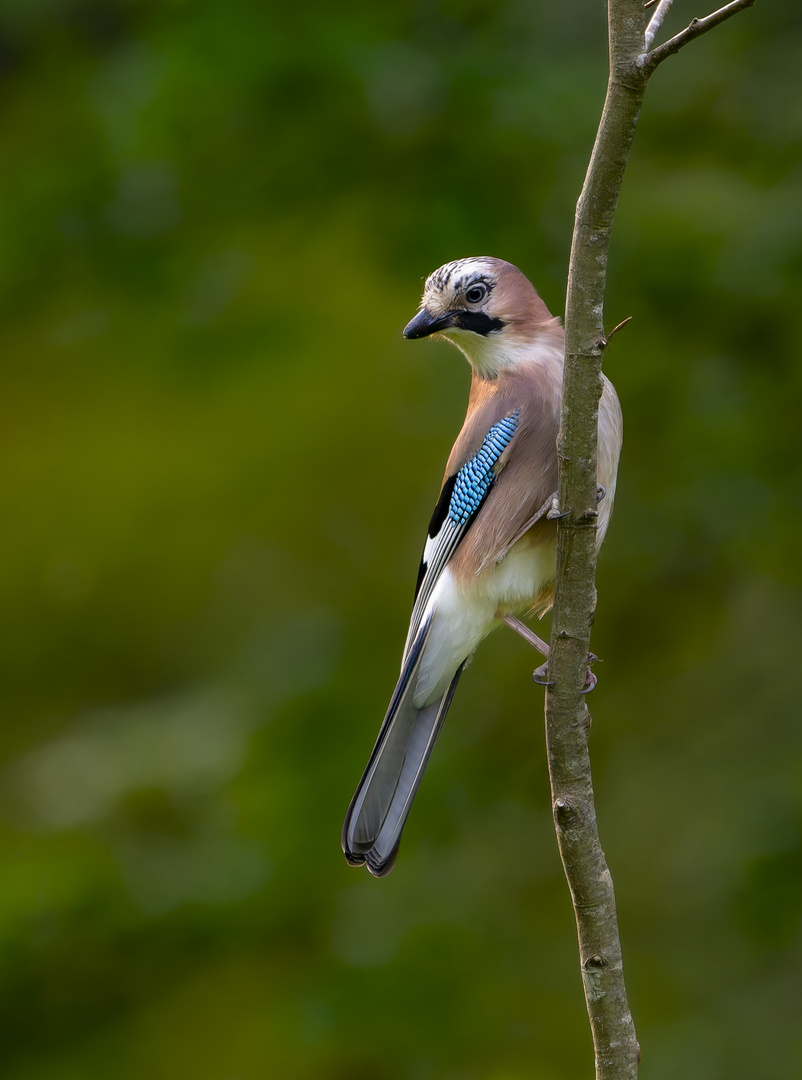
(492, 354)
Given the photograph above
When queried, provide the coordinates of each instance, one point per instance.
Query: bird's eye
(476, 293)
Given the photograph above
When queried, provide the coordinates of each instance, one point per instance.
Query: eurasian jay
(490, 552)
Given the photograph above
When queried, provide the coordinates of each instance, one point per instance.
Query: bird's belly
(465, 612)
(520, 580)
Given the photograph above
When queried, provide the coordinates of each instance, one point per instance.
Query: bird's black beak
(424, 324)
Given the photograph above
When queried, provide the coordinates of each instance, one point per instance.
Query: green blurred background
(214, 221)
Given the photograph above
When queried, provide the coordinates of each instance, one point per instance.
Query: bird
(490, 550)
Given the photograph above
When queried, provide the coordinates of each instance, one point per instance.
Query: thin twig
(695, 29)
(656, 22)
(615, 329)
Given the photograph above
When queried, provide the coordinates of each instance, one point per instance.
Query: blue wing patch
(476, 476)
(465, 493)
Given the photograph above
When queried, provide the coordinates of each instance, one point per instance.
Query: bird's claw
(541, 675)
(590, 678)
(554, 513)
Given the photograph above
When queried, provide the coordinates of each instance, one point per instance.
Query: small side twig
(695, 29)
(656, 21)
(615, 329)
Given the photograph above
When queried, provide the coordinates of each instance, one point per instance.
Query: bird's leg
(526, 633)
(541, 674)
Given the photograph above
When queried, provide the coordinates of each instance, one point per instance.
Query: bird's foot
(541, 675)
(554, 513)
(590, 678)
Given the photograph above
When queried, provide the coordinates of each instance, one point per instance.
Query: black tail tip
(376, 866)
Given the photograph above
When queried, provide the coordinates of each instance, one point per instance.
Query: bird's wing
(461, 497)
(501, 471)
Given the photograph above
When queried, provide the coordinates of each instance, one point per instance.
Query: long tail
(379, 808)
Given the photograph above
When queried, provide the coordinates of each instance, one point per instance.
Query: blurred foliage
(214, 220)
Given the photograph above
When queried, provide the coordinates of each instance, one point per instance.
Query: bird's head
(488, 309)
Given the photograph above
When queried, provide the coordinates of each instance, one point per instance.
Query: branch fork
(649, 60)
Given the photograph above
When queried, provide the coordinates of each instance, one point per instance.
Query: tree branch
(567, 718)
(656, 22)
(695, 29)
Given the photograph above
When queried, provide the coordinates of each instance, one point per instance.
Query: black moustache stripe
(478, 323)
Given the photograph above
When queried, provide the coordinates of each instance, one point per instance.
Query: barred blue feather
(476, 476)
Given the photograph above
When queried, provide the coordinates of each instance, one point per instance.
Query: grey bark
(567, 720)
